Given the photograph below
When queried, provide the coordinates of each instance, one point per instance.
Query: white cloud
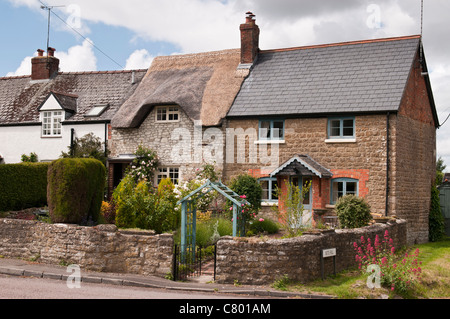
(23, 69)
(77, 58)
(139, 59)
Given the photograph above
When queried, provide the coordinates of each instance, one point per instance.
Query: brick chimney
(249, 39)
(44, 67)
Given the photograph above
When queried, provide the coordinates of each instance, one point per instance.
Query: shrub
(436, 223)
(208, 232)
(23, 185)
(75, 189)
(144, 165)
(291, 216)
(139, 205)
(88, 146)
(264, 226)
(353, 211)
(108, 212)
(249, 188)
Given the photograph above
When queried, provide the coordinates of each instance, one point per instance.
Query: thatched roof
(204, 85)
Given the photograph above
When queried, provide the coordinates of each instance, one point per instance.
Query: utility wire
(74, 30)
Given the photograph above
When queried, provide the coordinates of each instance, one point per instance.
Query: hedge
(75, 190)
(23, 185)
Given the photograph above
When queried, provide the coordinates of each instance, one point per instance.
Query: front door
(307, 200)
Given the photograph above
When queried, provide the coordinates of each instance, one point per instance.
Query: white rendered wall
(18, 140)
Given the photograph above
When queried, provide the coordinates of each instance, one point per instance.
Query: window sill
(270, 142)
(269, 203)
(340, 140)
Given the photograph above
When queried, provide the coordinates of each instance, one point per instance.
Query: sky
(115, 34)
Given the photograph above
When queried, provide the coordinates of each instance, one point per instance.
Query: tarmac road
(14, 287)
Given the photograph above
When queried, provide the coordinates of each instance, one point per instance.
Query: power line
(49, 8)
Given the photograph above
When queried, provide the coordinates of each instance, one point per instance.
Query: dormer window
(51, 123)
(167, 114)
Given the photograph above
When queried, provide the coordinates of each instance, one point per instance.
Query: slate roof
(364, 76)
(21, 98)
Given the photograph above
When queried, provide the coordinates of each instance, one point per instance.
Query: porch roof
(304, 165)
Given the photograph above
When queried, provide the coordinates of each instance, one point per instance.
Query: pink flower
(261, 219)
(231, 208)
(243, 196)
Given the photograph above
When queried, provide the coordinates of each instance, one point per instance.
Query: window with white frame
(343, 186)
(269, 189)
(51, 123)
(167, 114)
(168, 172)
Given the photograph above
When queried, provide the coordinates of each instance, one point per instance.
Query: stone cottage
(351, 118)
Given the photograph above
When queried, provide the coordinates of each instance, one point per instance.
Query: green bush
(264, 226)
(353, 212)
(23, 186)
(436, 223)
(139, 205)
(206, 235)
(75, 190)
(250, 187)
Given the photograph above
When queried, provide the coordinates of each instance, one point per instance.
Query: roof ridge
(190, 55)
(103, 72)
(316, 46)
(14, 77)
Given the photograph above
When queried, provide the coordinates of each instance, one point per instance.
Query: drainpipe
(387, 164)
(72, 134)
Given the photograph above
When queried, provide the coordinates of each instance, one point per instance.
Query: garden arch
(189, 213)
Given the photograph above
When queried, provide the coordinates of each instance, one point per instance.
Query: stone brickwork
(364, 158)
(101, 248)
(259, 262)
(191, 140)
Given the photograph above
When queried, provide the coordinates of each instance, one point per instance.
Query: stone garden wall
(100, 248)
(256, 261)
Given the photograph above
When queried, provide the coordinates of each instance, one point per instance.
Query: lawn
(351, 284)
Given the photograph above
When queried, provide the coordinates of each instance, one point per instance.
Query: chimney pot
(40, 52)
(50, 51)
(249, 39)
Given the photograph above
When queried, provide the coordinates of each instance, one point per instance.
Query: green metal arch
(189, 213)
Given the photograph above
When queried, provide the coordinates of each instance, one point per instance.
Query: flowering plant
(144, 165)
(397, 272)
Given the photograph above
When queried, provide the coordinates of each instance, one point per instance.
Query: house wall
(414, 158)
(18, 140)
(364, 159)
(178, 144)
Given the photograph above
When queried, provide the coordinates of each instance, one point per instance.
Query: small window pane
(161, 115)
(351, 188)
(274, 190)
(264, 131)
(335, 128)
(265, 190)
(348, 127)
(278, 129)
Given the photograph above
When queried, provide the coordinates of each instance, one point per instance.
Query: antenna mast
(49, 9)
